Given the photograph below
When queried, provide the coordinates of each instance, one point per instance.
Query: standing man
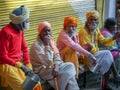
(90, 35)
(47, 63)
(13, 49)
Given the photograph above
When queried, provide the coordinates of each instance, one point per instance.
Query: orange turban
(68, 20)
(42, 25)
(92, 13)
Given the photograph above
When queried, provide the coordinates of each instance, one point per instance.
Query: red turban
(68, 20)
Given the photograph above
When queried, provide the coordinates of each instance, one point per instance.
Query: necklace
(93, 38)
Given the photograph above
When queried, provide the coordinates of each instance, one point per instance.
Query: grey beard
(92, 27)
(72, 33)
(26, 26)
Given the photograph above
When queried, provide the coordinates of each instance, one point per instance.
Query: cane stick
(56, 83)
(55, 78)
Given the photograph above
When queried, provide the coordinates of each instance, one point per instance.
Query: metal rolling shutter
(81, 6)
(52, 11)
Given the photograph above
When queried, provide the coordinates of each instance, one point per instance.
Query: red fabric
(12, 44)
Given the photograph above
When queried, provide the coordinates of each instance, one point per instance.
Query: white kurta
(41, 59)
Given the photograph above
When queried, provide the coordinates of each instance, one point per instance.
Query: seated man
(68, 43)
(90, 35)
(14, 54)
(47, 63)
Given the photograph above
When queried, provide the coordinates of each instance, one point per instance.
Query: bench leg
(84, 79)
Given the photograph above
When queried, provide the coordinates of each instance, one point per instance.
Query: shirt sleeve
(69, 42)
(105, 41)
(4, 47)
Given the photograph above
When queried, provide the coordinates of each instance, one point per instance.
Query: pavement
(93, 82)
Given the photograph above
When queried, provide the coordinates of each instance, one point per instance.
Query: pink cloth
(107, 34)
(42, 25)
(52, 44)
(64, 40)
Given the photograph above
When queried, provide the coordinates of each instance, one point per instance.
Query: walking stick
(56, 83)
(55, 78)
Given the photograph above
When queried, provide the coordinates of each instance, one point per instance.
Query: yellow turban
(92, 13)
(68, 20)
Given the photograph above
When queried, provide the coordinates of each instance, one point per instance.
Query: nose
(71, 28)
(47, 33)
(93, 21)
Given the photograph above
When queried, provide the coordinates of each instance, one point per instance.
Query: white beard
(72, 33)
(27, 25)
(92, 26)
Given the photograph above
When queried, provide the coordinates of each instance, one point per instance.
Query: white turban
(19, 15)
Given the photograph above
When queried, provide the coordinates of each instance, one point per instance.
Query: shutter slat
(46, 10)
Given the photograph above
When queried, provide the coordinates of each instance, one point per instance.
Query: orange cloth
(70, 55)
(92, 13)
(68, 20)
(52, 44)
(37, 87)
(14, 77)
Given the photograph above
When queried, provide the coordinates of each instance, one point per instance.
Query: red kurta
(12, 46)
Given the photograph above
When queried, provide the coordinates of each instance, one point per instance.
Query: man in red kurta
(13, 49)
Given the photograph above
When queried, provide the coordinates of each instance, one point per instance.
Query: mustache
(47, 36)
(72, 31)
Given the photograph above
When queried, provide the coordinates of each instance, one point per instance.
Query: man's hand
(88, 46)
(94, 61)
(29, 66)
(18, 64)
(55, 70)
(46, 40)
(92, 57)
(116, 35)
(26, 70)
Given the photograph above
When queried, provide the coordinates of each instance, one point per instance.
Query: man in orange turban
(68, 20)
(68, 44)
(89, 37)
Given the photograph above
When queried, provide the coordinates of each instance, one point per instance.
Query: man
(47, 63)
(68, 43)
(89, 37)
(13, 49)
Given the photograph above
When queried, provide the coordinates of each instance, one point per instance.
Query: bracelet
(91, 56)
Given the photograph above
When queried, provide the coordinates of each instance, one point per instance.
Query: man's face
(70, 29)
(92, 23)
(45, 32)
